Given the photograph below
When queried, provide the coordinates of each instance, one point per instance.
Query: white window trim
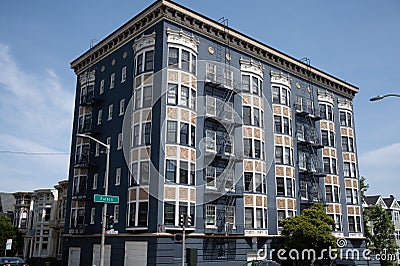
(121, 107)
(92, 215)
(118, 176)
(110, 112)
(112, 81)
(214, 140)
(120, 139)
(215, 177)
(215, 216)
(123, 74)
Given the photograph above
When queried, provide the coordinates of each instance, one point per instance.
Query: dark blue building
(206, 122)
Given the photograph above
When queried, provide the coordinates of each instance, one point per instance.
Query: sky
(356, 41)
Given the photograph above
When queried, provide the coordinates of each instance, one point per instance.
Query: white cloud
(36, 117)
(381, 168)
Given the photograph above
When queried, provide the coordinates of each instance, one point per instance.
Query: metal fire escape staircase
(224, 89)
(308, 143)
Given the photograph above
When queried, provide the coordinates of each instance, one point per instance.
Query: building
(391, 205)
(58, 223)
(7, 202)
(205, 121)
(23, 217)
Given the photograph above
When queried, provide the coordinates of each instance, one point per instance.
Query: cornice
(168, 10)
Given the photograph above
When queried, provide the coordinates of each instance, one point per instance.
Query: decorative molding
(181, 38)
(144, 41)
(280, 78)
(251, 66)
(345, 104)
(173, 12)
(326, 96)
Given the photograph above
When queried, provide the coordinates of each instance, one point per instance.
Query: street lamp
(380, 97)
(104, 218)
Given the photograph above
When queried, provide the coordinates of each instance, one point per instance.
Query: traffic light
(111, 223)
(189, 220)
(178, 238)
(182, 220)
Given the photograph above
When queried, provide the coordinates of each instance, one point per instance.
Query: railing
(225, 228)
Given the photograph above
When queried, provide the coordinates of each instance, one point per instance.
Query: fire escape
(220, 91)
(308, 143)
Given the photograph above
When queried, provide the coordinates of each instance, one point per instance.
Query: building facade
(203, 121)
(23, 217)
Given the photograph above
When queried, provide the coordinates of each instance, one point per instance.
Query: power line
(33, 153)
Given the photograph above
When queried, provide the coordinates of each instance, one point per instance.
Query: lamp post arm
(380, 97)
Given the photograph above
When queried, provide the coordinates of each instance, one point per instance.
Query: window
(332, 139)
(256, 117)
(395, 216)
(276, 94)
(278, 124)
(119, 144)
(257, 149)
(258, 183)
(121, 106)
(173, 57)
(210, 215)
(259, 218)
(147, 96)
(353, 170)
(146, 133)
(228, 145)
(184, 135)
(247, 148)
(135, 142)
(245, 83)
(118, 176)
(194, 68)
(281, 215)
(192, 136)
(185, 60)
(248, 218)
(142, 215)
(325, 138)
(351, 144)
(108, 141)
(228, 111)
(101, 90)
(346, 169)
(285, 97)
(138, 98)
(286, 126)
(112, 80)
(211, 141)
(254, 85)
(97, 150)
(334, 167)
(342, 117)
(248, 181)
(351, 196)
(328, 193)
(228, 77)
(110, 112)
(299, 103)
(95, 180)
(327, 165)
(302, 160)
(193, 100)
(230, 215)
(99, 116)
(289, 187)
(144, 173)
(169, 213)
(123, 74)
(247, 115)
(326, 111)
(192, 174)
(172, 131)
(210, 177)
(345, 144)
(92, 215)
(210, 105)
(278, 154)
(211, 72)
(139, 64)
(116, 213)
(280, 186)
(170, 170)
(172, 94)
(184, 96)
(183, 173)
(134, 174)
(149, 58)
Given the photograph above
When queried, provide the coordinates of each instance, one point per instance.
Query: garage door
(135, 253)
(74, 256)
(96, 255)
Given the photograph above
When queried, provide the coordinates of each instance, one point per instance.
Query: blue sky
(357, 41)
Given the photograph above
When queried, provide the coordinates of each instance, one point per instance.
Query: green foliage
(363, 187)
(7, 230)
(310, 230)
(381, 234)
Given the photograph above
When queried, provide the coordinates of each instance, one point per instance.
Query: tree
(7, 231)
(363, 187)
(310, 230)
(381, 232)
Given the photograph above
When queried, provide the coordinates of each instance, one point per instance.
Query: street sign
(106, 199)
(8, 244)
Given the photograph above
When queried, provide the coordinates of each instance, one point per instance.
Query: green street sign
(106, 199)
